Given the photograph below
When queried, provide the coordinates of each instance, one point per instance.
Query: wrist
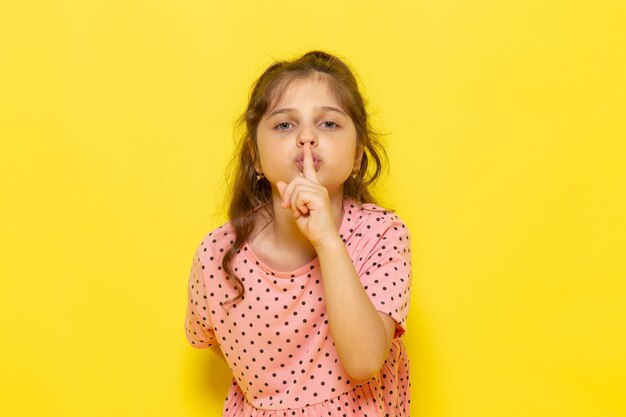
(329, 243)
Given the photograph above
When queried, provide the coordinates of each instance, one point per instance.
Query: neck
(285, 230)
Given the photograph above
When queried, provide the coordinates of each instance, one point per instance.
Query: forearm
(358, 331)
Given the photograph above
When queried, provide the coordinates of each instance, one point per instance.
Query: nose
(307, 134)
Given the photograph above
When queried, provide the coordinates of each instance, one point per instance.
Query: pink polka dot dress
(277, 340)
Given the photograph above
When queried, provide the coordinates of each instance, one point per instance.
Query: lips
(316, 165)
(300, 161)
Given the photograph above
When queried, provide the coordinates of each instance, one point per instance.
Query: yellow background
(506, 124)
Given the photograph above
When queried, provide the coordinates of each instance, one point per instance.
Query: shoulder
(373, 229)
(374, 219)
(215, 243)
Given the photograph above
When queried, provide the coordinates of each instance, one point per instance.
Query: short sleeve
(197, 322)
(386, 273)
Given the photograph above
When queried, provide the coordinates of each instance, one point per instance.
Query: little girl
(305, 291)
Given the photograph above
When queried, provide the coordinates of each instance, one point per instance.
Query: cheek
(269, 157)
(263, 149)
(344, 160)
(262, 158)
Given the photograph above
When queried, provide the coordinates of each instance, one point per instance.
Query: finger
(302, 197)
(288, 190)
(281, 185)
(308, 166)
(302, 202)
(286, 194)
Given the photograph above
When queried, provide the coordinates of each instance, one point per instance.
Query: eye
(330, 125)
(282, 126)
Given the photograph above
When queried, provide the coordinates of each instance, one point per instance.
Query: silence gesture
(309, 201)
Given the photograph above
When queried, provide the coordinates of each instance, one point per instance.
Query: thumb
(281, 185)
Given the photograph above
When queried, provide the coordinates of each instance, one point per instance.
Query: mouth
(300, 161)
(300, 164)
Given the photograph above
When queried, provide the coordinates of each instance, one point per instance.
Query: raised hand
(309, 201)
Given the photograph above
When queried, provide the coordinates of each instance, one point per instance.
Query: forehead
(314, 88)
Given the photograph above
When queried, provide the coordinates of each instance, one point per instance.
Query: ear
(358, 157)
(254, 157)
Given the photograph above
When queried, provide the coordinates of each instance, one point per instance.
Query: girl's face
(308, 112)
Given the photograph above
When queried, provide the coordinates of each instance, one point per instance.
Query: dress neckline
(304, 269)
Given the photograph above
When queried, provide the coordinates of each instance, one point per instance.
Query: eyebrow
(290, 110)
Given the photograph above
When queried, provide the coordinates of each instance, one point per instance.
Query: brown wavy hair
(248, 193)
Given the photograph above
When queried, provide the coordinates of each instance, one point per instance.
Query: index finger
(308, 166)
